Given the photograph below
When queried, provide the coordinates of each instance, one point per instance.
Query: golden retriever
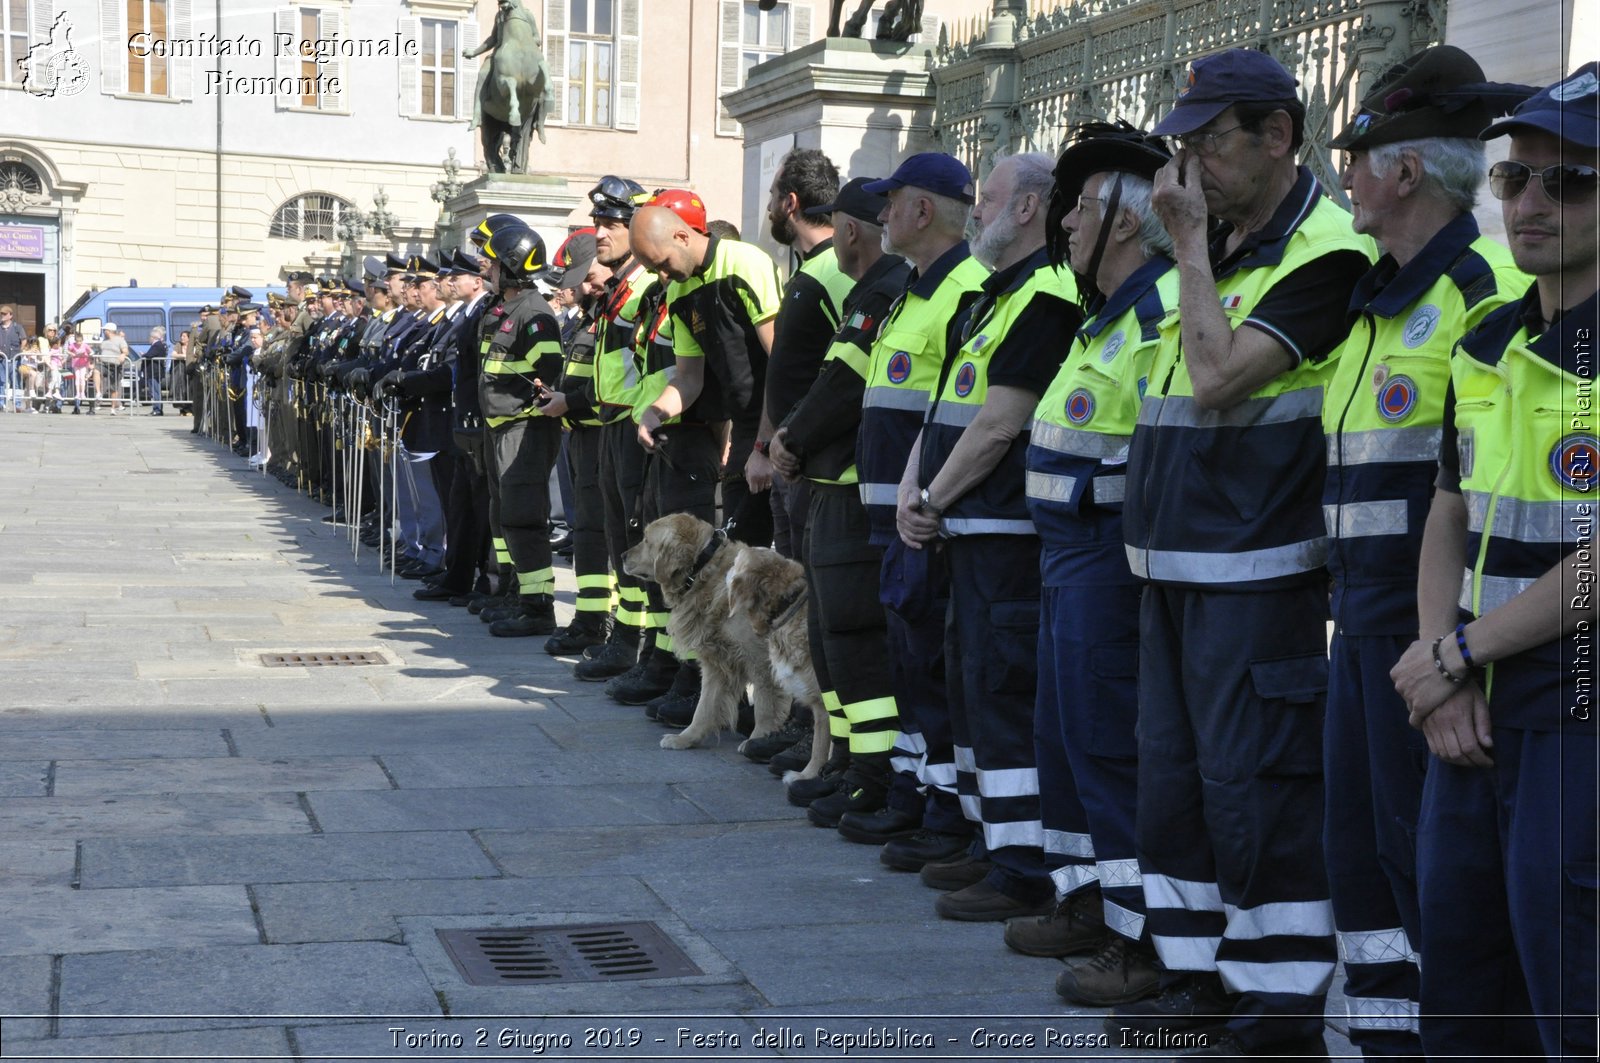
(689, 560)
(769, 591)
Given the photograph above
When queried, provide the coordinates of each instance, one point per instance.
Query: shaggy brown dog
(689, 560)
(769, 591)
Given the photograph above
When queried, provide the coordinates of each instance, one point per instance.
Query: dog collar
(718, 538)
(789, 608)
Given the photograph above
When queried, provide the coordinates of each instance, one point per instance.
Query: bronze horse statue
(513, 94)
(900, 20)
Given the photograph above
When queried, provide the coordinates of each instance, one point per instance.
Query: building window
(147, 74)
(590, 51)
(440, 60)
(748, 35)
(304, 84)
(310, 217)
(13, 39)
(595, 56)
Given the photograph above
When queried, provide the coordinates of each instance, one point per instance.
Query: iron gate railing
(1022, 84)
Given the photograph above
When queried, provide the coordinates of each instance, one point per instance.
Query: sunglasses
(1562, 183)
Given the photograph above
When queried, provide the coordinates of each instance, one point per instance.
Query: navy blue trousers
(1506, 861)
(991, 679)
(923, 758)
(1231, 694)
(1375, 763)
(1083, 727)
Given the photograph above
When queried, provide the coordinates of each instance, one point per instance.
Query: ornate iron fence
(1023, 80)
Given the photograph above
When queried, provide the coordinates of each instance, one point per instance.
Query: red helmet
(685, 204)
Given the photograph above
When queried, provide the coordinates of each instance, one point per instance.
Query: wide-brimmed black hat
(1439, 92)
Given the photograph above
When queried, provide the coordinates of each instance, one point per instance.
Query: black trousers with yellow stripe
(621, 483)
(525, 451)
(849, 647)
(588, 522)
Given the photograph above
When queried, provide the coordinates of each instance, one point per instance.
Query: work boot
(1225, 1044)
(794, 758)
(798, 728)
(957, 873)
(497, 611)
(536, 616)
(1196, 1002)
(619, 654)
(676, 707)
(982, 903)
(802, 792)
(879, 827)
(653, 677)
(1076, 925)
(922, 848)
(865, 790)
(586, 629)
(1119, 972)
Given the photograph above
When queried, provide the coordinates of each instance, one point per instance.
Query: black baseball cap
(1217, 82)
(853, 199)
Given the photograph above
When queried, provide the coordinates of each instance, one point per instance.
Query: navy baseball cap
(853, 199)
(1239, 75)
(1569, 109)
(931, 171)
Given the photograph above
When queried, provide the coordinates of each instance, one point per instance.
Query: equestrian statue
(899, 21)
(513, 94)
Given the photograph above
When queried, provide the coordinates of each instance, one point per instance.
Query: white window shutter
(799, 25)
(180, 71)
(41, 16)
(410, 75)
(286, 25)
(555, 58)
(628, 60)
(113, 47)
(730, 65)
(467, 69)
(330, 27)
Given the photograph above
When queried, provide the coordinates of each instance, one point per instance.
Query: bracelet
(1438, 663)
(1461, 644)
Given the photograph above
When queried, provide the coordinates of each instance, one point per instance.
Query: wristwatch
(928, 505)
(763, 447)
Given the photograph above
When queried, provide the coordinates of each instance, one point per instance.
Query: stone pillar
(998, 132)
(867, 104)
(545, 203)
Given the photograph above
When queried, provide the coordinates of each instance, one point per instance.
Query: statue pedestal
(865, 103)
(543, 202)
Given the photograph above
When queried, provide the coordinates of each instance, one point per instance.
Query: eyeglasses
(1562, 183)
(1088, 199)
(1204, 144)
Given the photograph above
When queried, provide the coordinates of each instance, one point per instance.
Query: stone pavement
(202, 857)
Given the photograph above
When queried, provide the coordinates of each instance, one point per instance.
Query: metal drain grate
(320, 660)
(595, 952)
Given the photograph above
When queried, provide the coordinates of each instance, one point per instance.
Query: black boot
(619, 654)
(865, 789)
(676, 707)
(802, 792)
(536, 616)
(586, 629)
(652, 678)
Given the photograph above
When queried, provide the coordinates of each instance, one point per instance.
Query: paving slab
(385, 730)
(444, 770)
(111, 744)
(111, 863)
(24, 991)
(52, 920)
(501, 806)
(166, 989)
(23, 778)
(37, 862)
(369, 911)
(632, 850)
(95, 778)
(256, 1042)
(138, 814)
